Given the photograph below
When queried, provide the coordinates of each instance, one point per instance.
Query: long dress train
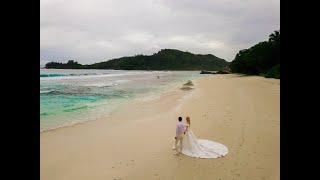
(202, 148)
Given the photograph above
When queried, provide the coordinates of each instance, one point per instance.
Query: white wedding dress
(201, 148)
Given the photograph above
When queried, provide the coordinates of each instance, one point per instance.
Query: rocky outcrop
(208, 72)
(215, 72)
(223, 72)
(187, 86)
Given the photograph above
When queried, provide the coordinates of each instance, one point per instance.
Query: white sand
(135, 142)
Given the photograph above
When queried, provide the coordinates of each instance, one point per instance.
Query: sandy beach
(134, 142)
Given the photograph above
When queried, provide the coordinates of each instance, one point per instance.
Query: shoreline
(135, 141)
(148, 97)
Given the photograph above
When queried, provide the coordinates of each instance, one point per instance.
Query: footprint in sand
(131, 162)
(237, 175)
(234, 170)
(155, 155)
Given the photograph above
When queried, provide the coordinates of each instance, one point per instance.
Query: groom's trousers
(179, 141)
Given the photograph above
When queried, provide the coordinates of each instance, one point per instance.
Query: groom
(180, 130)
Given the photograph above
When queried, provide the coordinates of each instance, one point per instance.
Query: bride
(201, 148)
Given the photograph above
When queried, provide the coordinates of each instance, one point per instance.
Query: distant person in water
(158, 77)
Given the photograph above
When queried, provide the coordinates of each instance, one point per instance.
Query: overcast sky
(97, 30)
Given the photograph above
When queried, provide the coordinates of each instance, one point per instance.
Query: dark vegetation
(261, 59)
(166, 59)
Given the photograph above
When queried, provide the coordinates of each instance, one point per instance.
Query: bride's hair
(188, 120)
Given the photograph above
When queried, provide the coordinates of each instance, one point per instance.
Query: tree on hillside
(274, 37)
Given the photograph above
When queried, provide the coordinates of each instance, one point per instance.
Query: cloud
(95, 30)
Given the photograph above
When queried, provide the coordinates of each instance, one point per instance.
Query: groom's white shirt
(180, 128)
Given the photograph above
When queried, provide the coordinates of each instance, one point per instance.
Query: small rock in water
(186, 88)
(189, 83)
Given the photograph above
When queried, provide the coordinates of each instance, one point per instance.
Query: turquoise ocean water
(68, 97)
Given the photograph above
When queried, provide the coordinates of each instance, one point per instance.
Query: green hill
(166, 59)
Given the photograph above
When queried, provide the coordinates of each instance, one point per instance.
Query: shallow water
(73, 96)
